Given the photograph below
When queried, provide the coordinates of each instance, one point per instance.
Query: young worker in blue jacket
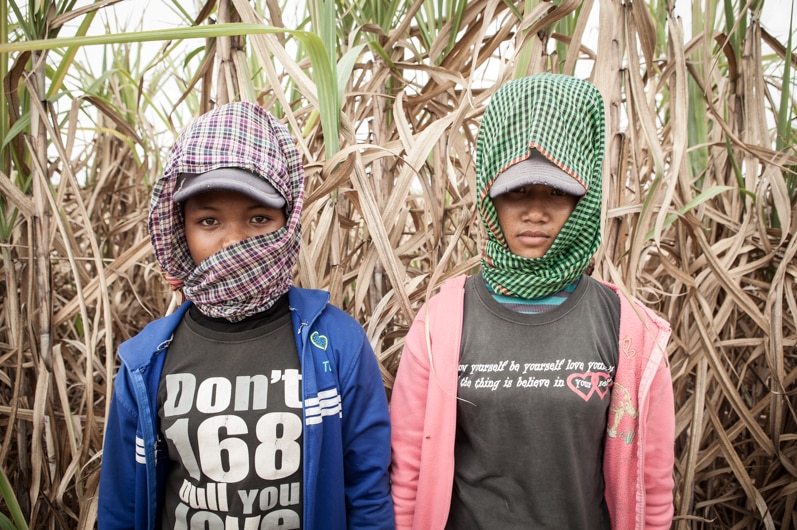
(256, 404)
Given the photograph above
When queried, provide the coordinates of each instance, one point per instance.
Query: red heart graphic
(594, 379)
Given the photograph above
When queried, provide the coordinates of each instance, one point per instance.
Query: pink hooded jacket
(638, 456)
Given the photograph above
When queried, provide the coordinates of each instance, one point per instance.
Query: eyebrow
(201, 206)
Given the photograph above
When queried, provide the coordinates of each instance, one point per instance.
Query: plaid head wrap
(247, 277)
(562, 117)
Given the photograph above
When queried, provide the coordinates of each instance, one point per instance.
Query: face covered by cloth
(561, 118)
(249, 276)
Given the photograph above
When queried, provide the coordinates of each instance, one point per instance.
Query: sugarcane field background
(384, 100)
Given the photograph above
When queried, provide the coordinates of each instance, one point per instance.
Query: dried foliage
(700, 201)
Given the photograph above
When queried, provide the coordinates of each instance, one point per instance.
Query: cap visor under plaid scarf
(247, 277)
(562, 117)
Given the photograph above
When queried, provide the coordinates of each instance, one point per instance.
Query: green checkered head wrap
(562, 118)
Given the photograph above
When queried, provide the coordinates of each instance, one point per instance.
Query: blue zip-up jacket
(346, 450)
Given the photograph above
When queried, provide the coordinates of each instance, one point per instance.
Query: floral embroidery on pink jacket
(639, 450)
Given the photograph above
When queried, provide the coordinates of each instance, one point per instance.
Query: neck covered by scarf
(249, 276)
(562, 117)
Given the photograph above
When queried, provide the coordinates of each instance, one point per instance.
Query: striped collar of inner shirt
(534, 305)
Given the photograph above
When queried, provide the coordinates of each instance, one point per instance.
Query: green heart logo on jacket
(319, 341)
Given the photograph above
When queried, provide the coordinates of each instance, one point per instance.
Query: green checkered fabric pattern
(562, 117)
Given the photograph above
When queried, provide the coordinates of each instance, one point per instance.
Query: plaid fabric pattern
(562, 117)
(248, 277)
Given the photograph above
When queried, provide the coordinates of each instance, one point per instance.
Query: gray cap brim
(536, 170)
(228, 179)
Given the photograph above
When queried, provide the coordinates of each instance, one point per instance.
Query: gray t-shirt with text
(534, 392)
(230, 409)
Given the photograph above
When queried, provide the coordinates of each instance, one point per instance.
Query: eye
(557, 192)
(261, 219)
(208, 221)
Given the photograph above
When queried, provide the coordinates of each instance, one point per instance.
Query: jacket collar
(137, 352)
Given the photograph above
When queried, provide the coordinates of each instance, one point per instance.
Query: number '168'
(277, 454)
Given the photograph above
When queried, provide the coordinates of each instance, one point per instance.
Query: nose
(233, 235)
(533, 209)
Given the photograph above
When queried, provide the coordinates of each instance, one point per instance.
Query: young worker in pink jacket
(531, 395)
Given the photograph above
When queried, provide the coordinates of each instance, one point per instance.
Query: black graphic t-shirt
(230, 409)
(534, 392)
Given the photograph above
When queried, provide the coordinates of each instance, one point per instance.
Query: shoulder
(340, 324)
(440, 317)
(138, 349)
(314, 303)
(632, 309)
(450, 294)
(600, 292)
(454, 286)
(312, 306)
(605, 288)
(307, 300)
(643, 341)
